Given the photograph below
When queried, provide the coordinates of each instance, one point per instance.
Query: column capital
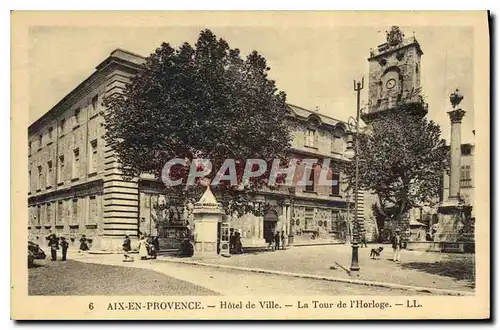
(456, 115)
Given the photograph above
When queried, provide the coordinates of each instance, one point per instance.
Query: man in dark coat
(153, 250)
(64, 247)
(277, 240)
(127, 247)
(363, 240)
(397, 244)
(53, 242)
(270, 241)
(156, 244)
(238, 249)
(232, 241)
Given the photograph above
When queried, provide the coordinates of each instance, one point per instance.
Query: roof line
(89, 78)
(318, 113)
(128, 52)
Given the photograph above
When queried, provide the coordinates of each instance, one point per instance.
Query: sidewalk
(419, 269)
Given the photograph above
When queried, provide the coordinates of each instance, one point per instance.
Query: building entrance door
(270, 221)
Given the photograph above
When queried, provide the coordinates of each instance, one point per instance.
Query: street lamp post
(291, 233)
(358, 86)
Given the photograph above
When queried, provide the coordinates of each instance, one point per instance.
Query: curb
(316, 244)
(328, 278)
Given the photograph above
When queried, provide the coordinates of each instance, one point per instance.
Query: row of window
(62, 126)
(335, 189)
(48, 180)
(308, 221)
(336, 144)
(65, 212)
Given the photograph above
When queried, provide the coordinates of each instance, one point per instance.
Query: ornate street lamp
(354, 123)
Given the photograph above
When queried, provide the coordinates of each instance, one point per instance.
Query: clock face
(390, 83)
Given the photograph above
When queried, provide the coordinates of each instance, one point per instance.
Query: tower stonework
(394, 75)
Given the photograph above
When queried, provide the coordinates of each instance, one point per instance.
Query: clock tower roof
(394, 76)
(395, 40)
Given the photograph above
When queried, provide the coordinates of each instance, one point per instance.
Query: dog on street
(375, 253)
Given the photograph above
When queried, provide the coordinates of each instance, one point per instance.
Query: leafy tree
(402, 158)
(201, 101)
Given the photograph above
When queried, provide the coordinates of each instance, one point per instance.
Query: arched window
(338, 140)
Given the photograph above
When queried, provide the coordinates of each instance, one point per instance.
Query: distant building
(76, 187)
(467, 184)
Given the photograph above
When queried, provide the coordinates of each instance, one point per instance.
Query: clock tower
(394, 76)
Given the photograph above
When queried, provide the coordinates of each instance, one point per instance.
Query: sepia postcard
(250, 165)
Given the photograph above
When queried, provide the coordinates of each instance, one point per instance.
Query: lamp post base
(354, 262)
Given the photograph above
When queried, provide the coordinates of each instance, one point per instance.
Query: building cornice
(118, 58)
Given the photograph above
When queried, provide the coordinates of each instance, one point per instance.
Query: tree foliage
(202, 101)
(402, 158)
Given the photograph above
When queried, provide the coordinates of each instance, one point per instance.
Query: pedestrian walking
(397, 243)
(83, 243)
(143, 248)
(277, 241)
(363, 240)
(232, 241)
(53, 242)
(64, 248)
(270, 242)
(126, 248)
(152, 248)
(238, 247)
(156, 245)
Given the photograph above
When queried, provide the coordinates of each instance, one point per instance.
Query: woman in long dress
(143, 248)
(83, 243)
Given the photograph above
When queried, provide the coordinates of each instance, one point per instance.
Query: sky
(315, 66)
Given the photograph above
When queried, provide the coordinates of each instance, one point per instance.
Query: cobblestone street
(234, 282)
(81, 279)
(100, 274)
(424, 269)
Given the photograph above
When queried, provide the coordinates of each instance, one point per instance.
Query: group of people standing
(55, 243)
(148, 247)
(235, 246)
(274, 242)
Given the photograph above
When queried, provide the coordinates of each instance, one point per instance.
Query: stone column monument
(451, 210)
(207, 214)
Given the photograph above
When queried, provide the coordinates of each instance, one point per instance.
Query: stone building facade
(76, 188)
(466, 176)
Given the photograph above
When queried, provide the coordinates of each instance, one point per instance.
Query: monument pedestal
(205, 236)
(451, 215)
